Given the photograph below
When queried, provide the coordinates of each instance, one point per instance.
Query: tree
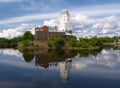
(58, 42)
(27, 57)
(73, 42)
(28, 36)
(4, 40)
(25, 43)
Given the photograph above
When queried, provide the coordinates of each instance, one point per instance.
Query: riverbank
(54, 48)
(29, 41)
(8, 45)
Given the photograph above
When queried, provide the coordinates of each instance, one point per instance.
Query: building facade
(44, 32)
(64, 30)
(65, 23)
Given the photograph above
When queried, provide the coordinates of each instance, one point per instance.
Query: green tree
(27, 57)
(28, 36)
(4, 40)
(25, 43)
(58, 42)
(73, 42)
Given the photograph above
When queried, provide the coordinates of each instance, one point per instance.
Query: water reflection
(65, 67)
(11, 52)
(61, 59)
(72, 67)
(55, 59)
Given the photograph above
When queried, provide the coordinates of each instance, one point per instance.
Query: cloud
(84, 21)
(18, 31)
(10, 1)
(29, 18)
(98, 10)
(88, 26)
(52, 22)
(83, 26)
(109, 9)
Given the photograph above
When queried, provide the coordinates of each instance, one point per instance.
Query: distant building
(45, 32)
(64, 30)
(65, 23)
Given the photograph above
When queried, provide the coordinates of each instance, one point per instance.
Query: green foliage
(73, 42)
(3, 40)
(85, 42)
(58, 42)
(50, 44)
(28, 36)
(16, 39)
(41, 47)
(27, 57)
(25, 43)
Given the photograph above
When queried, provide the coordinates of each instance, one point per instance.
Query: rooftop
(65, 12)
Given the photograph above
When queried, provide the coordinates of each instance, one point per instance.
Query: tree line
(27, 36)
(61, 42)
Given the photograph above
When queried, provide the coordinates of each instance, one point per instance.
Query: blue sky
(16, 13)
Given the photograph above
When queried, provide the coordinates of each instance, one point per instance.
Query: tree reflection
(27, 56)
(57, 58)
(56, 55)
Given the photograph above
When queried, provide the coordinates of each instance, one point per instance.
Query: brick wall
(42, 34)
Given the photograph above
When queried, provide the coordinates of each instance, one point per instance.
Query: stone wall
(42, 34)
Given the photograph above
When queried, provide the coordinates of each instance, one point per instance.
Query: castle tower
(65, 24)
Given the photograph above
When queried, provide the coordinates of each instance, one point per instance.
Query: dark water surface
(59, 69)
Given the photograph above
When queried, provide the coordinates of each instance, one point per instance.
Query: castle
(64, 29)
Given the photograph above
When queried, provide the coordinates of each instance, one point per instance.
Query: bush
(50, 44)
(41, 47)
(28, 36)
(58, 42)
(73, 42)
(25, 43)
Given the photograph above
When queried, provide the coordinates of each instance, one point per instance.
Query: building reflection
(56, 58)
(64, 66)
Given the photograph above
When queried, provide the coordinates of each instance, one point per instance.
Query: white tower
(65, 24)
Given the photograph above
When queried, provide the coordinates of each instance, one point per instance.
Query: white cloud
(84, 26)
(109, 9)
(98, 10)
(18, 31)
(29, 18)
(52, 22)
(87, 26)
(10, 1)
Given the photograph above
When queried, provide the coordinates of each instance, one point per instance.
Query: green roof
(65, 12)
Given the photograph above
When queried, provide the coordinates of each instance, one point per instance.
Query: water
(59, 69)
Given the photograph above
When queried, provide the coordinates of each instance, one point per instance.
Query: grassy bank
(29, 41)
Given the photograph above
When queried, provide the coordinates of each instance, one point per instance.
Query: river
(59, 69)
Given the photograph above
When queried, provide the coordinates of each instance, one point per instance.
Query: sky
(88, 17)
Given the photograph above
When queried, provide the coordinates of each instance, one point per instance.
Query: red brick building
(45, 32)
